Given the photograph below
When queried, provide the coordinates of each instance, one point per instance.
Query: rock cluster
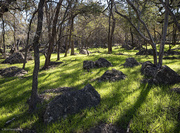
(12, 72)
(112, 75)
(101, 62)
(15, 58)
(71, 103)
(131, 62)
(163, 75)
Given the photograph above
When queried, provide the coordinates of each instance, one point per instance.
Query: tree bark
(111, 29)
(27, 41)
(53, 35)
(174, 35)
(34, 94)
(71, 35)
(132, 37)
(61, 32)
(59, 43)
(14, 26)
(4, 47)
(161, 51)
(67, 47)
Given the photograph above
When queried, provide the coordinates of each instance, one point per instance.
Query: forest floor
(129, 102)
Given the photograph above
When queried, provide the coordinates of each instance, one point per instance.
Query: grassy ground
(149, 108)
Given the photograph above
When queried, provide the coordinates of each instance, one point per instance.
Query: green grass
(149, 108)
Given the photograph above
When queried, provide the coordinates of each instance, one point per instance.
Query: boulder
(166, 75)
(149, 69)
(102, 62)
(15, 58)
(131, 62)
(112, 75)
(127, 46)
(12, 72)
(71, 103)
(163, 75)
(88, 64)
(84, 51)
(146, 52)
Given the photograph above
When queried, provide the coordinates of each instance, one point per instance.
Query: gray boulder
(166, 75)
(127, 46)
(71, 103)
(149, 69)
(84, 51)
(112, 75)
(155, 75)
(102, 62)
(13, 72)
(88, 64)
(131, 62)
(15, 58)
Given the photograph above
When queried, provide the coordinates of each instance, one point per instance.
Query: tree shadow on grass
(128, 115)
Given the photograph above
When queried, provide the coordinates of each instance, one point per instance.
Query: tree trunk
(132, 37)
(174, 35)
(27, 41)
(59, 43)
(155, 39)
(34, 94)
(15, 46)
(111, 29)
(53, 35)
(4, 47)
(161, 51)
(71, 35)
(67, 47)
